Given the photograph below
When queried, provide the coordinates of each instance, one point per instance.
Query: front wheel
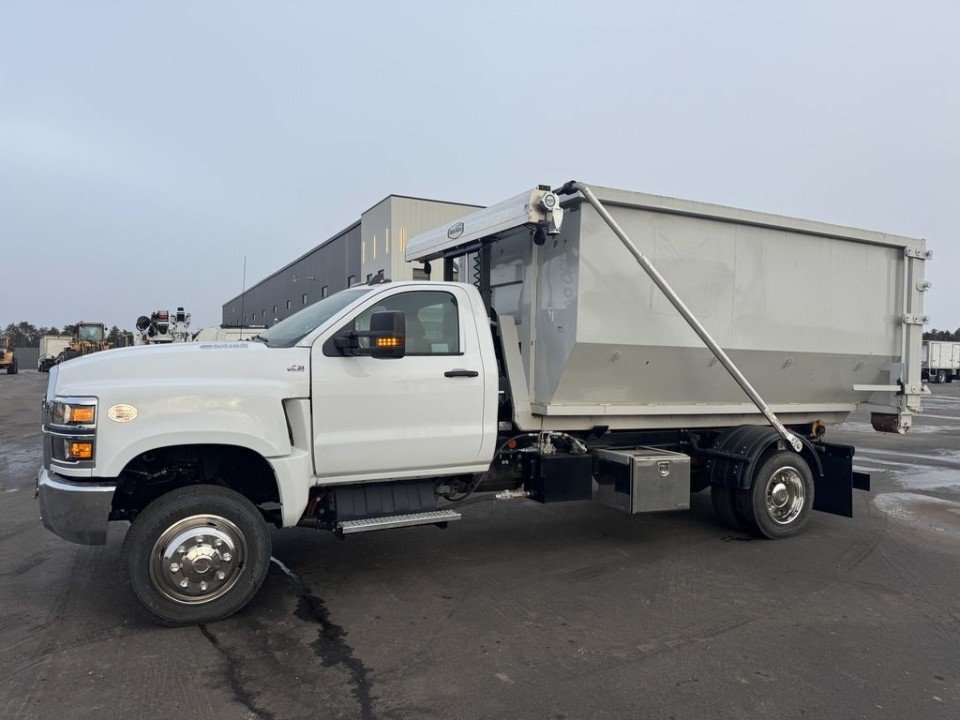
(779, 502)
(197, 554)
(12, 367)
(942, 376)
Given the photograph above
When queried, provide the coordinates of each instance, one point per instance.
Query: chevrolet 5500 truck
(586, 362)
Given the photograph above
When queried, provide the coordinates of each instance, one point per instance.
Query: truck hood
(227, 366)
(187, 394)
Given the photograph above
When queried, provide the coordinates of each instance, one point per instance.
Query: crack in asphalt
(331, 645)
(242, 694)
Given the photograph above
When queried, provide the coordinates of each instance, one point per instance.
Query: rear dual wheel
(777, 504)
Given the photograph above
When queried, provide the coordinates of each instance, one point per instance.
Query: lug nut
(183, 583)
(227, 557)
(203, 585)
(181, 549)
(199, 539)
(218, 542)
(174, 567)
(221, 575)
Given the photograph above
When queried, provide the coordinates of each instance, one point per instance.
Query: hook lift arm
(681, 307)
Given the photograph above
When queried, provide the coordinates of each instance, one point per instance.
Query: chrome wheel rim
(785, 495)
(198, 559)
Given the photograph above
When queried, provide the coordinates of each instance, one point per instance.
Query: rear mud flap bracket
(833, 491)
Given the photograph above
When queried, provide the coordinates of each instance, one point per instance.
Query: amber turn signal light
(80, 451)
(386, 342)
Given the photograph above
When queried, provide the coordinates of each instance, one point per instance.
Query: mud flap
(833, 491)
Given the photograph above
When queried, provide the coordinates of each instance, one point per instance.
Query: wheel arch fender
(142, 479)
(734, 454)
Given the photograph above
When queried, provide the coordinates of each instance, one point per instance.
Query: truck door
(420, 412)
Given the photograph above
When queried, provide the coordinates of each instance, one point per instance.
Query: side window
(433, 321)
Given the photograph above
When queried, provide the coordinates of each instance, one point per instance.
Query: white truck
(940, 361)
(225, 333)
(579, 367)
(51, 346)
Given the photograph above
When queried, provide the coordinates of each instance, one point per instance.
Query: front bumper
(76, 511)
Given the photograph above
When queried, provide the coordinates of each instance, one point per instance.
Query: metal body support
(681, 307)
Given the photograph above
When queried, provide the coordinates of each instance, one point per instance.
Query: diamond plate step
(394, 521)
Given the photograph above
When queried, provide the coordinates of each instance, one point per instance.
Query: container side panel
(806, 317)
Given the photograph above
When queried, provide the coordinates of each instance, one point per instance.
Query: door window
(432, 318)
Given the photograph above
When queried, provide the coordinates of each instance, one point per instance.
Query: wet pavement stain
(244, 696)
(331, 645)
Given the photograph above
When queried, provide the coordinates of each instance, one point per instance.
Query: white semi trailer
(941, 361)
(617, 347)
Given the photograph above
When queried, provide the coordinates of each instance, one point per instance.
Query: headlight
(73, 411)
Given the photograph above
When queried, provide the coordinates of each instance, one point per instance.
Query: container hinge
(908, 319)
(917, 252)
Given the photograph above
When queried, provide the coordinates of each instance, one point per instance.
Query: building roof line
(340, 234)
(420, 199)
(290, 264)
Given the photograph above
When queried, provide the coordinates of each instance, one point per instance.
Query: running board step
(434, 517)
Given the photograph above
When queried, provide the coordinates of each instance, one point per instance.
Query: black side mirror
(388, 335)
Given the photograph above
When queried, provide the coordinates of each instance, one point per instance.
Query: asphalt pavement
(520, 610)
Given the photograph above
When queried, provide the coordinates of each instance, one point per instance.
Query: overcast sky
(146, 147)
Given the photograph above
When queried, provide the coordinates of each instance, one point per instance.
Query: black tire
(225, 513)
(12, 367)
(724, 506)
(942, 376)
(759, 509)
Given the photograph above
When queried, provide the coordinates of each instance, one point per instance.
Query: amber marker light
(385, 342)
(79, 450)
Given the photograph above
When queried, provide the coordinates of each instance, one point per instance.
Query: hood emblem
(122, 413)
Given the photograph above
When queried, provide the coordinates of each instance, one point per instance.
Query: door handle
(460, 372)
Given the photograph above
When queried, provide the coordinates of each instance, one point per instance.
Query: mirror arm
(347, 343)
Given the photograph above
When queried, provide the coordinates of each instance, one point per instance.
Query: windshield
(287, 333)
(90, 333)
